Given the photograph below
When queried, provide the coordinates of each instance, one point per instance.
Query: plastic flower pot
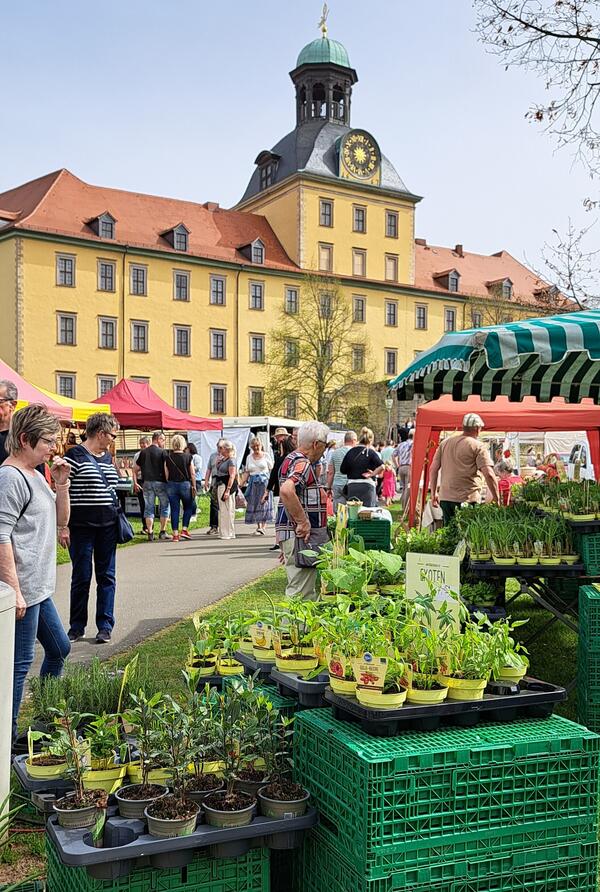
(216, 817)
(320, 655)
(584, 518)
(464, 688)
(426, 697)
(570, 558)
(264, 654)
(280, 808)
(483, 556)
(297, 666)
(155, 775)
(245, 645)
(170, 828)
(41, 772)
(108, 779)
(529, 561)
(328, 597)
(250, 786)
(229, 667)
(342, 685)
(209, 767)
(379, 700)
(76, 818)
(200, 795)
(353, 507)
(134, 808)
(504, 561)
(549, 561)
(511, 674)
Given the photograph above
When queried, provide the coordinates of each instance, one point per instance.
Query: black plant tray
(308, 693)
(126, 840)
(252, 665)
(538, 571)
(213, 681)
(501, 703)
(56, 785)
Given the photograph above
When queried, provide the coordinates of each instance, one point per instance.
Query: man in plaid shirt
(303, 503)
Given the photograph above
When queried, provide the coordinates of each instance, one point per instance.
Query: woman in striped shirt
(92, 532)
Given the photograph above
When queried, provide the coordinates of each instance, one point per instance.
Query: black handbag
(125, 531)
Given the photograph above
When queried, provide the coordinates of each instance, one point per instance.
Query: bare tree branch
(572, 268)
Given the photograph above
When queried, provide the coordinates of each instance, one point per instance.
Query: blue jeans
(180, 492)
(154, 489)
(42, 622)
(100, 545)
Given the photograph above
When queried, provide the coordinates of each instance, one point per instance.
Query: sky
(178, 97)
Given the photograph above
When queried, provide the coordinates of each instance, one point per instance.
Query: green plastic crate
(568, 868)
(250, 873)
(376, 534)
(34, 886)
(588, 670)
(588, 546)
(386, 800)
(589, 617)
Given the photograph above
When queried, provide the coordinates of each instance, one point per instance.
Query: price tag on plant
(369, 672)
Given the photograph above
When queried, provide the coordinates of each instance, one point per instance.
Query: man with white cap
(459, 460)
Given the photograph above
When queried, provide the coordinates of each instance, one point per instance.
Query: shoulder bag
(318, 537)
(125, 531)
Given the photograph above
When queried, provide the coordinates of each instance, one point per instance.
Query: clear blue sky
(177, 98)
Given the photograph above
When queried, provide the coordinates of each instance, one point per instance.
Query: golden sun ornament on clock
(360, 157)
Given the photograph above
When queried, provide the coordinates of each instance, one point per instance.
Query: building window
(67, 325)
(391, 267)
(65, 270)
(358, 358)
(107, 333)
(421, 317)
(292, 301)
(325, 304)
(258, 252)
(326, 258)
(325, 212)
(267, 175)
(218, 344)
(256, 401)
(507, 289)
(327, 350)
(257, 348)
(292, 353)
(453, 280)
(359, 309)
(391, 224)
(218, 399)
(182, 340)
(65, 385)
(391, 362)
(105, 383)
(181, 395)
(391, 312)
(449, 319)
(139, 337)
(359, 262)
(106, 275)
(359, 218)
(180, 240)
(107, 228)
(138, 279)
(257, 291)
(476, 320)
(291, 404)
(181, 285)
(217, 290)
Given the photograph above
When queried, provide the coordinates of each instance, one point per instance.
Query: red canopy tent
(137, 406)
(446, 414)
(27, 393)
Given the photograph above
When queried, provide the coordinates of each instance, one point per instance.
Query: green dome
(323, 50)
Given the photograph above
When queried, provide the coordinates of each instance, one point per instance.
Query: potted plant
(502, 543)
(81, 808)
(281, 797)
(422, 640)
(48, 764)
(468, 660)
(550, 537)
(509, 658)
(295, 618)
(108, 754)
(203, 657)
(232, 630)
(133, 798)
(175, 814)
(252, 772)
(203, 766)
(395, 688)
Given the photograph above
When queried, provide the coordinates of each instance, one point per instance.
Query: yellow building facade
(97, 284)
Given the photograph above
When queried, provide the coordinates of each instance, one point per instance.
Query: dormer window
(453, 281)
(258, 252)
(178, 237)
(104, 225)
(449, 279)
(501, 288)
(267, 168)
(507, 289)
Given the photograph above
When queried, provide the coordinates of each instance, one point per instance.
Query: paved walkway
(158, 583)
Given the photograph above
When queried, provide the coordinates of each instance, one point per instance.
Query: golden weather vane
(323, 22)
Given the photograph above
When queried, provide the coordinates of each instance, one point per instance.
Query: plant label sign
(442, 571)
(369, 672)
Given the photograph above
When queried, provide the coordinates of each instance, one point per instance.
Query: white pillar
(7, 637)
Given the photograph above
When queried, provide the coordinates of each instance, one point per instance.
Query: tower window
(338, 110)
(391, 224)
(319, 103)
(359, 218)
(325, 212)
(267, 174)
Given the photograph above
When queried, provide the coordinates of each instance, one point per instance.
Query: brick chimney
(211, 205)
(421, 241)
(458, 249)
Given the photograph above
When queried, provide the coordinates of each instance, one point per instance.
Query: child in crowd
(388, 489)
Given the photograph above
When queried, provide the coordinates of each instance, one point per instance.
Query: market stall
(28, 393)
(80, 410)
(136, 405)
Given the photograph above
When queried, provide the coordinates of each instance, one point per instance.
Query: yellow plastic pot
(320, 655)
(377, 700)
(245, 645)
(109, 779)
(155, 776)
(464, 688)
(342, 685)
(229, 667)
(570, 558)
(583, 518)
(328, 598)
(426, 698)
(202, 670)
(302, 667)
(549, 561)
(264, 654)
(44, 771)
(209, 768)
(529, 561)
(504, 561)
(509, 673)
(482, 556)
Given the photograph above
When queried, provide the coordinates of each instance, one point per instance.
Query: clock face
(360, 155)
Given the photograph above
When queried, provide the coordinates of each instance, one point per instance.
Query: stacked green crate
(587, 546)
(249, 873)
(453, 809)
(588, 657)
(376, 534)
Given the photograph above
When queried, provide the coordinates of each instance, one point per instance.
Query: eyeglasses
(323, 442)
(7, 399)
(51, 443)
(110, 434)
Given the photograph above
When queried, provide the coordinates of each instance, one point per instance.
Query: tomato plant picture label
(369, 672)
(337, 665)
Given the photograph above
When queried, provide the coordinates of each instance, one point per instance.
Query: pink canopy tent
(27, 393)
(446, 414)
(137, 406)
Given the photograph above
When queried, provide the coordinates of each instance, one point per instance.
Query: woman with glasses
(29, 515)
(92, 532)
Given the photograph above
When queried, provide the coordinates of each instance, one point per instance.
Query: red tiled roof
(476, 271)
(61, 203)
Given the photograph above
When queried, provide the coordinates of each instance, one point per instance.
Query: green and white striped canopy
(544, 358)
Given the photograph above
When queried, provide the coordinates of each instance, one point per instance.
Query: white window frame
(391, 303)
(181, 232)
(218, 303)
(261, 338)
(73, 378)
(100, 378)
(144, 268)
(252, 284)
(188, 330)
(453, 282)
(113, 320)
(108, 220)
(59, 317)
(188, 388)
(113, 265)
(258, 246)
(359, 253)
(212, 351)
(73, 259)
(185, 274)
(146, 325)
(213, 389)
